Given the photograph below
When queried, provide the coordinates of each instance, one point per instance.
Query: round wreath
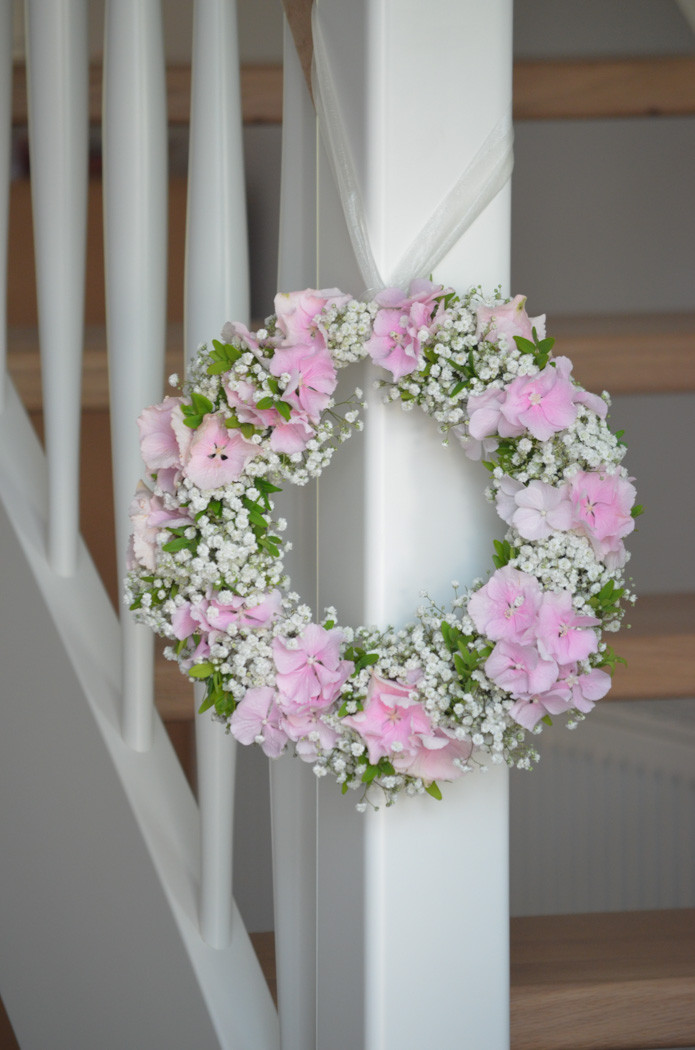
(398, 709)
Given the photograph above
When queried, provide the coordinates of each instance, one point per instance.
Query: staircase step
(617, 981)
(629, 354)
(659, 648)
(569, 89)
(556, 89)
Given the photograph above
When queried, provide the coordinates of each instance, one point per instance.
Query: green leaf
(547, 719)
(284, 409)
(460, 665)
(265, 402)
(525, 345)
(637, 510)
(344, 788)
(206, 705)
(433, 790)
(247, 429)
(329, 624)
(201, 404)
(369, 774)
(457, 388)
(217, 368)
(193, 421)
(201, 670)
(176, 545)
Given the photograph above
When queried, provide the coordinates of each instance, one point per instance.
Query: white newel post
(412, 903)
(217, 290)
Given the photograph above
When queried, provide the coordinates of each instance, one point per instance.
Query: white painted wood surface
(56, 39)
(216, 291)
(135, 240)
(412, 911)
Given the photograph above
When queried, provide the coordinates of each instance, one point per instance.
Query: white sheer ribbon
(475, 188)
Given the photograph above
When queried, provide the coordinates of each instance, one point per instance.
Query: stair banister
(135, 239)
(216, 290)
(412, 904)
(57, 82)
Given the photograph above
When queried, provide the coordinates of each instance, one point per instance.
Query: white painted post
(412, 908)
(216, 291)
(5, 141)
(56, 36)
(135, 238)
(292, 785)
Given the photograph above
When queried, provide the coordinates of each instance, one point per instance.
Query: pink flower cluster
(539, 642)
(309, 678)
(148, 515)
(395, 725)
(310, 675)
(210, 619)
(402, 325)
(594, 503)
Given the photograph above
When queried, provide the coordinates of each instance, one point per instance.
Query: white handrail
(216, 291)
(57, 81)
(5, 142)
(135, 236)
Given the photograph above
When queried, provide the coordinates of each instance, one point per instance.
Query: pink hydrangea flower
(298, 312)
(240, 397)
(257, 719)
(312, 377)
(149, 515)
(541, 509)
(528, 711)
(520, 669)
(396, 338)
(292, 435)
(309, 731)
(217, 455)
(438, 756)
(581, 396)
(601, 504)
(585, 689)
(233, 332)
(542, 404)
(505, 497)
(507, 606)
(474, 448)
(211, 617)
(391, 721)
(159, 446)
(420, 291)
(563, 634)
(487, 418)
(311, 673)
(507, 320)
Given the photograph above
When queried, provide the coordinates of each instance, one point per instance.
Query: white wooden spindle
(5, 142)
(135, 235)
(412, 902)
(216, 291)
(293, 788)
(56, 36)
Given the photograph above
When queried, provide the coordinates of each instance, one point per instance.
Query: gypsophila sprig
(385, 711)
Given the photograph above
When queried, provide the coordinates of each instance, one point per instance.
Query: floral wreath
(395, 709)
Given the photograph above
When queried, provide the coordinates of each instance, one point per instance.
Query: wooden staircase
(582, 982)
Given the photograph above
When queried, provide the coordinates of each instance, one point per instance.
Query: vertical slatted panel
(58, 126)
(216, 291)
(5, 126)
(135, 231)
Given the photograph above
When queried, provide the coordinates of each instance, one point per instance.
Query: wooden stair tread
(635, 354)
(544, 89)
(617, 980)
(659, 648)
(611, 981)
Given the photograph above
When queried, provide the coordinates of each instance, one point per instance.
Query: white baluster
(293, 788)
(135, 234)
(216, 291)
(58, 124)
(5, 141)
(412, 902)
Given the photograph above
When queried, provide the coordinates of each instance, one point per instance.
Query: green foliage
(360, 657)
(540, 349)
(610, 660)
(223, 356)
(504, 552)
(606, 604)
(433, 790)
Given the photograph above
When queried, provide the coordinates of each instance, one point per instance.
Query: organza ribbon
(475, 188)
